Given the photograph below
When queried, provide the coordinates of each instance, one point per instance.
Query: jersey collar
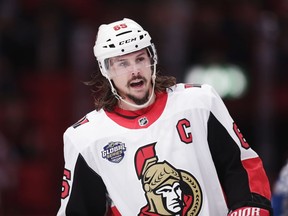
(142, 118)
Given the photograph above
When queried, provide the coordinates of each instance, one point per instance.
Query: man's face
(172, 197)
(131, 75)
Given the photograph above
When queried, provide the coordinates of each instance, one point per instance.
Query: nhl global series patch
(114, 151)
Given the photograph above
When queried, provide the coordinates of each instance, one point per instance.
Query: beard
(139, 101)
(145, 98)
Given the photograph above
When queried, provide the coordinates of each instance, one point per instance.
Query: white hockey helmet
(119, 38)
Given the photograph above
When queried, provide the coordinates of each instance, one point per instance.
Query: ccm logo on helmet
(127, 41)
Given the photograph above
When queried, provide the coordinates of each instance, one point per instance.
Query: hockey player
(280, 192)
(154, 147)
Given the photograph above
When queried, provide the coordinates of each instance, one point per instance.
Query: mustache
(138, 77)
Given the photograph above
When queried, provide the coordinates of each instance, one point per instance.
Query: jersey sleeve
(239, 168)
(83, 191)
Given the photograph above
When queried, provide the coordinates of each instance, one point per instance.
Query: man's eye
(122, 64)
(141, 59)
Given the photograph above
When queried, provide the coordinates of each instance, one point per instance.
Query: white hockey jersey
(183, 155)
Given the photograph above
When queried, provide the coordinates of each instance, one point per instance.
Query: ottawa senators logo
(168, 191)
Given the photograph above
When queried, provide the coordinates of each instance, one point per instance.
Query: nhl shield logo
(143, 121)
(114, 151)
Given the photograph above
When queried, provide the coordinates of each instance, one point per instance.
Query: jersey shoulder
(192, 96)
(193, 91)
(183, 86)
(88, 119)
(86, 125)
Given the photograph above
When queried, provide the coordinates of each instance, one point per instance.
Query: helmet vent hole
(136, 46)
(111, 45)
(123, 33)
(141, 37)
(122, 50)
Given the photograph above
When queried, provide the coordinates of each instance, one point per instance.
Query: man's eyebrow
(114, 60)
(142, 53)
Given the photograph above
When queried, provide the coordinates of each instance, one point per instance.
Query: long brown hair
(104, 98)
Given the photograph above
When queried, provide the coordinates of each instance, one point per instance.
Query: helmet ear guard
(152, 53)
(120, 38)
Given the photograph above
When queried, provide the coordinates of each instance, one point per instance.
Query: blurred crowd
(46, 53)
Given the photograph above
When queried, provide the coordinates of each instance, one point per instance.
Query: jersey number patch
(65, 184)
(240, 136)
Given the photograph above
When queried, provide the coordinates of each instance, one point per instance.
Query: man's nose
(134, 68)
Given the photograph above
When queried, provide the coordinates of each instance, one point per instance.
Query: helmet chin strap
(129, 103)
